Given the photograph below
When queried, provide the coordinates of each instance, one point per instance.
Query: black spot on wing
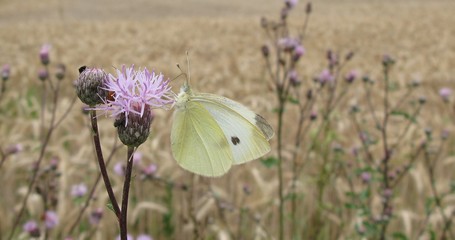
(235, 140)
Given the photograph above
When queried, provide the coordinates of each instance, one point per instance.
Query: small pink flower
(445, 93)
(291, 3)
(50, 219)
(13, 149)
(119, 169)
(144, 237)
(43, 74)
(133, 90)
(351, 76)
(96, 216)
(31, 227)
(299, 51)
(6, 70)
(326, 77)
(78, 190)
(288, 43)
(150, 169)
(366, 177)
(128, 237)
(44, 54)
(137, 158)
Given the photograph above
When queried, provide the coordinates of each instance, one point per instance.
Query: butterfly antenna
(188, 65)
(182, 73)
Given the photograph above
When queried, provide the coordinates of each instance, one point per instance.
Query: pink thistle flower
(78, 190)
(31, 227)
(144, 237)
(44, 54)
(119, 169)
(291, 3)
(6, 70)
(288, 43)
(137, 158)
(351, 76)
(96, 216)
(150, 169)
(445, 93)
(128, 237)
(50, 219)
(134, 91)
(325, 77)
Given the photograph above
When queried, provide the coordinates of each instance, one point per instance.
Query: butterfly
(210, 133)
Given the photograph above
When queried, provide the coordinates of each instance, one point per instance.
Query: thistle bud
(134, 129)
(43, 74)
(89, 85)
(308, 8)
(294, 78)
(44, 54)
(60, 72)
(387, 60)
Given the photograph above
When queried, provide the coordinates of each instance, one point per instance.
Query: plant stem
(280, 167)
(126, 191)
(102, 165)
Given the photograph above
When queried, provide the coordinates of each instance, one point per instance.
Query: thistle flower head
(89, 85)
(96, 216)
(445, 93)
(78, 190)
(31, 227)
(50, 219)
(6, 69)
(44, 54)
(144, 237)
(132, 91)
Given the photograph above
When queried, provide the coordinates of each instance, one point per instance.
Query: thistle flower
(78, 190)
(31, 227)
(6, 69)
(325, 77)
(351, 76)
(44, 54)
(445, 93)
(43, 74)
(50, 219)
(13, 149)
(299, 51)
(119, 169)
(291, 3)
(133, 95)
(144, 237)
(288, 43)
(150, 169)
(128, 237)
(96, 216)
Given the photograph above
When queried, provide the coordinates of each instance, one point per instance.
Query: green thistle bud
(89, 85)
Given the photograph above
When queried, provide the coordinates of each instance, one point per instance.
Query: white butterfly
(210, 133)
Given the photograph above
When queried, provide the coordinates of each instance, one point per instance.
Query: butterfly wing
(198, 143)
(246, 132)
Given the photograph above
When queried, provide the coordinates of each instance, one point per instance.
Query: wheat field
(224, 40)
